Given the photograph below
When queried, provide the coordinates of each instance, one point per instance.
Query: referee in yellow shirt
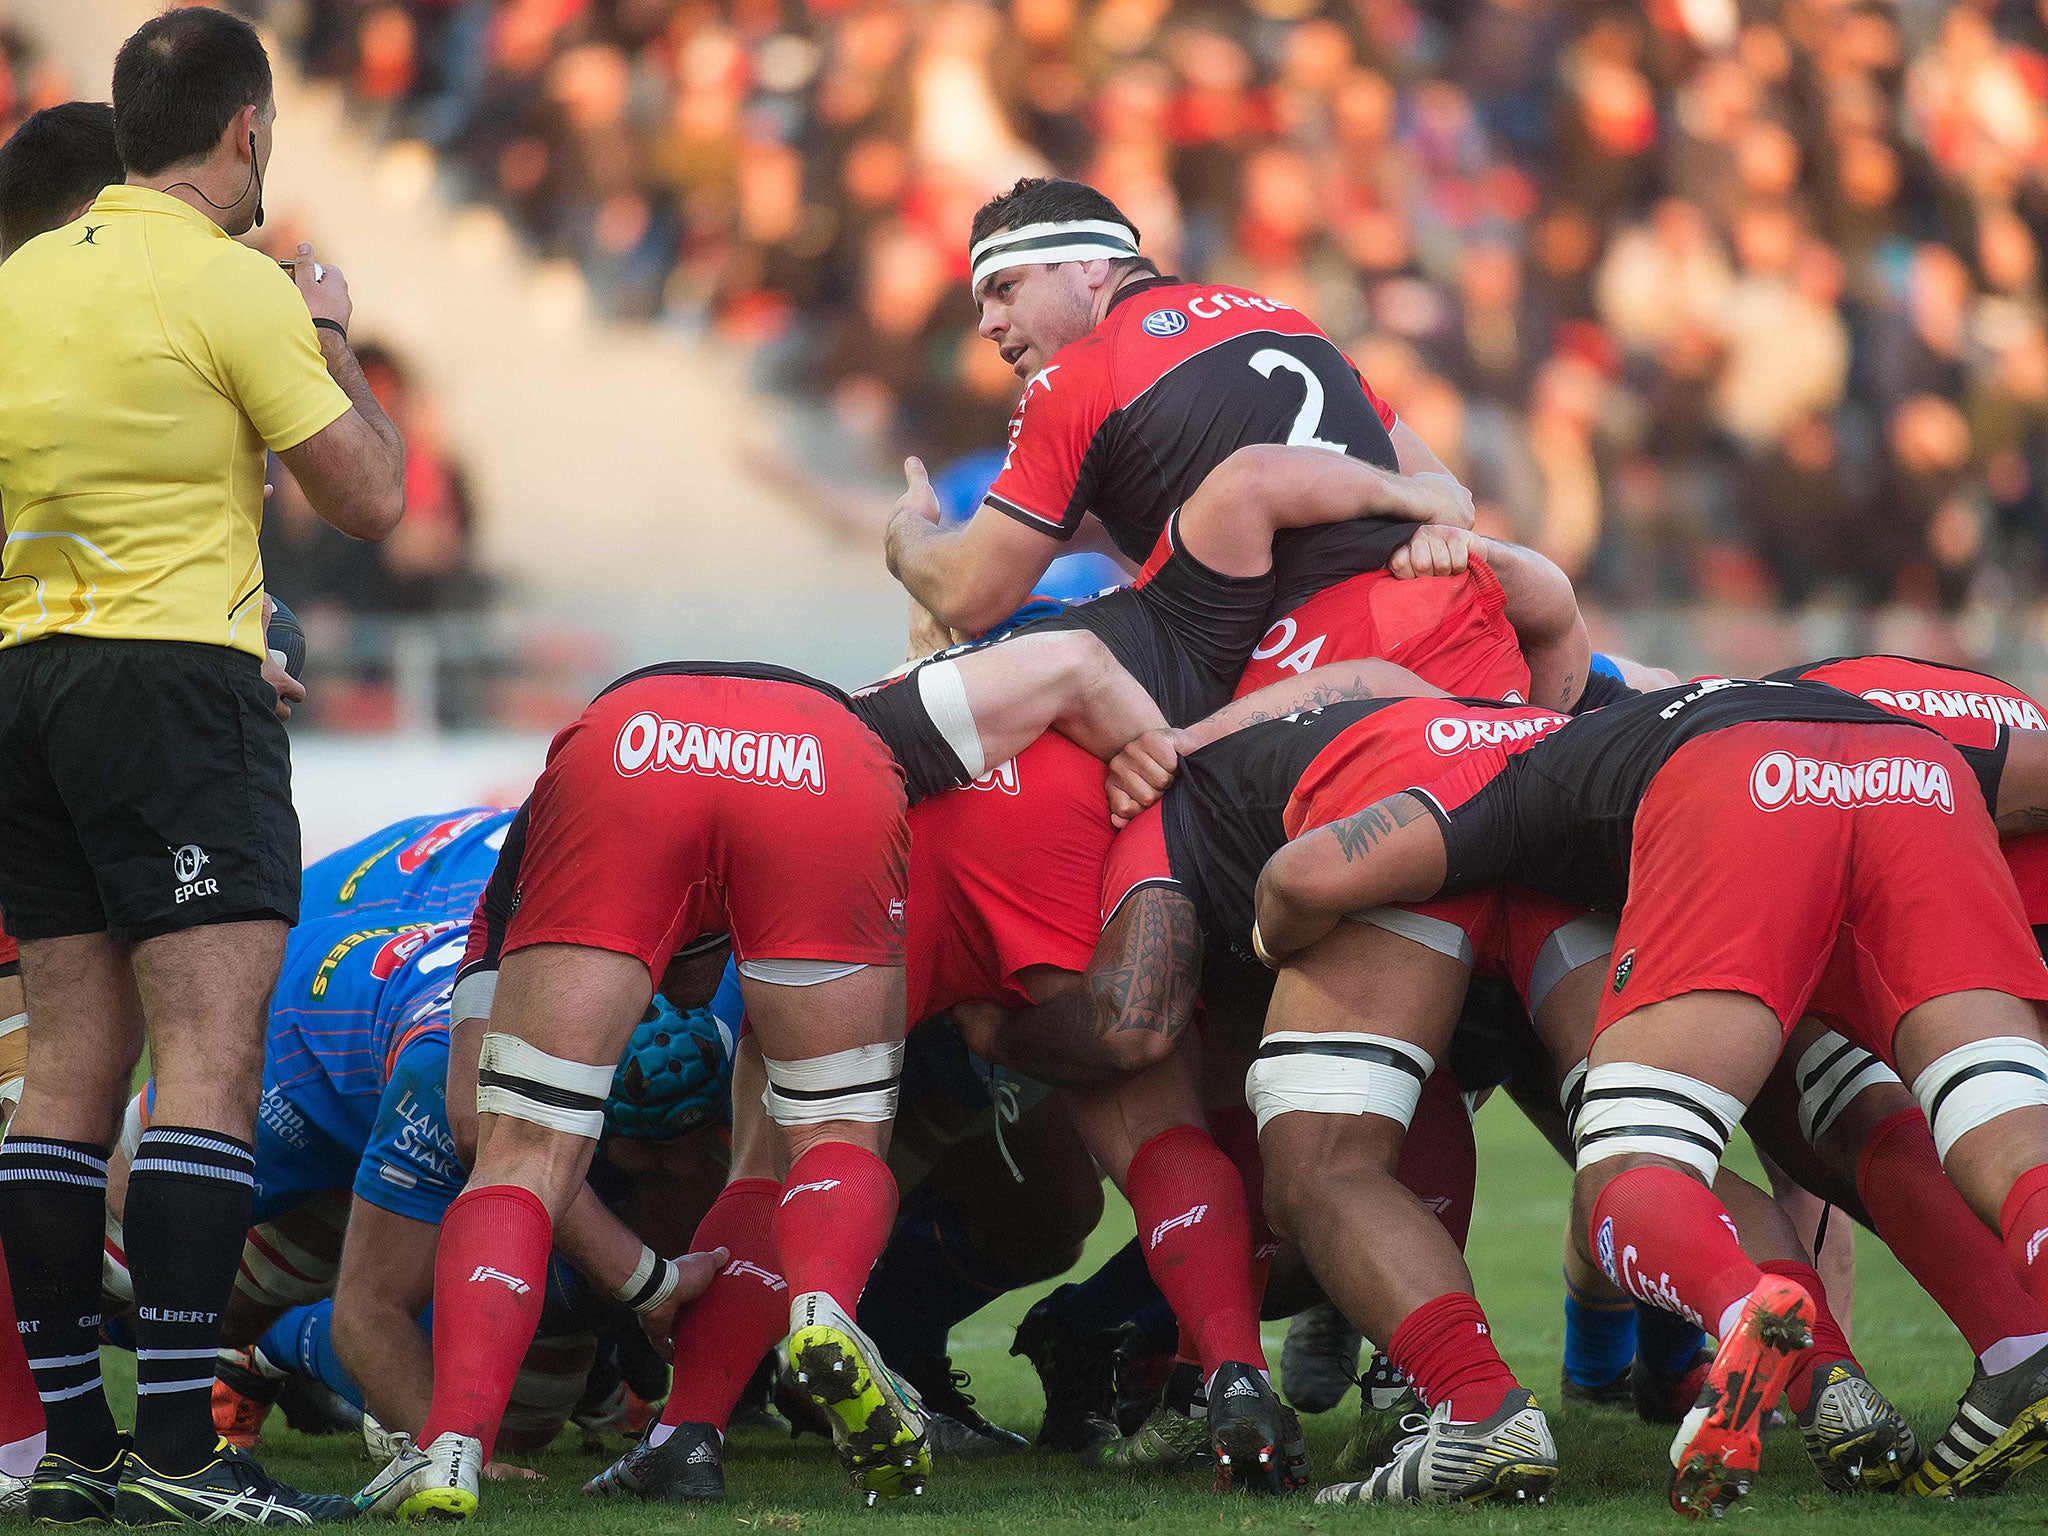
(147, 838)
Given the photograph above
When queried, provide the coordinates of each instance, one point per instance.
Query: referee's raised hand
(323, 288)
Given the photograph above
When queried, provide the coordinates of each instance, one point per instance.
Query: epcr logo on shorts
(1779, 779)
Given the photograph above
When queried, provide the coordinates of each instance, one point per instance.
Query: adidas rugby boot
(1509, 1458)
(1319, 1361)
(229, 1490)
(1857, 1440)
(1385, 1401)
(438, 1482)
(955, 1425)
(64, 1492)
(2000, 1427)
(1078, 1374)
(686, 1468)
(878, 1424)
(1254, 1437)
(1718, 1444)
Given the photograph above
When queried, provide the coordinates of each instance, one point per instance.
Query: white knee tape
(1974, 1084)
(1579, 942)
(1568, 1094)
(1830, 1073)
(797, 973)
(1627, 1108)
(1340, 1073)
(525, 1083)
(944, 695)
(859, 1084)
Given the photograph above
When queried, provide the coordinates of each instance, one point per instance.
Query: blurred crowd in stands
(1716, 298)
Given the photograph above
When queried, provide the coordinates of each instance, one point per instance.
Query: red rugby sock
(1829, 1341)
(1196, 1237)
(1939, 1239)
(490, 1278)
(722, 1335)
(1235, 1130)
(1672, 1244)
(2023, 1219)
(833, 1221)
(1446, 1350)
(1439, 1162)
(21, 1411)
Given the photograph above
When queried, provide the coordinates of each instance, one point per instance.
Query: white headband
(1042, 244)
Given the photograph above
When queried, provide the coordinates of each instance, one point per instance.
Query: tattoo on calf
(1364, 831)
(1158, 970)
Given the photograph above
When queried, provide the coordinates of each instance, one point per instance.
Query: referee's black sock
(53, 1213)
(189, 1196)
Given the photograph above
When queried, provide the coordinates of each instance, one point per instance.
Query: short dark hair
(1050, 200)
(179, 81)
(57, 159)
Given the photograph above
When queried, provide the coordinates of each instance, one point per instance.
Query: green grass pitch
(1613, 1468)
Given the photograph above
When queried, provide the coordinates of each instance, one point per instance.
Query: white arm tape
(474, 996)
(11, 1023)
(945, 700)
(1974, 1084)
(652, 1282)
(531, 1085)
(857, 1084)
(1627, 1108)
(1831, 1073)
(1336, 1073)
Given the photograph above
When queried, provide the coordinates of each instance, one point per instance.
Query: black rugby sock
(188, 1213)
(53, 1209)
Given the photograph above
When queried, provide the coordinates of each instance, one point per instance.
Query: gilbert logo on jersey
(750, 757)
(1779, 779)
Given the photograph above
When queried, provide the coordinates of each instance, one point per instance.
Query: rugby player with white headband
(1138, 387)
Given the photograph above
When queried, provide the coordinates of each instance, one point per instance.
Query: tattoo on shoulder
(1359, 834)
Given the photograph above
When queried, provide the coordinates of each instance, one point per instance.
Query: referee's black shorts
(145, 788)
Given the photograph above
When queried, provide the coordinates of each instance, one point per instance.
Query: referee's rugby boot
(2000, 1427)
(1509, 1458)
(1718, 1444)
(64, 1492)
(435, 1483)
(1385, 1401)
(1254, 1437)
(1319, 1361)
(229, 1490)
(686, 1468)
(878, 1424)
(1855, 1437)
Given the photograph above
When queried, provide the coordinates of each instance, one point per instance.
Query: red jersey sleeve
(1046, 480)
(1380, 408)
(10, 954)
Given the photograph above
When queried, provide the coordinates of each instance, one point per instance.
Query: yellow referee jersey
(146, 360)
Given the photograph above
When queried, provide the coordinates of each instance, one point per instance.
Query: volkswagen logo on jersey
(1163, 323)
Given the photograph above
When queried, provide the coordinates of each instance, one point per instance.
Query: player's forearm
(387, 468)
(1539, 604)
(932, 564)
(1055, 1043)
(1339, 682)
(602, 1247)
(1352, 865)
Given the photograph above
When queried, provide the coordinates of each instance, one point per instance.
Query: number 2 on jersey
(1310, 417)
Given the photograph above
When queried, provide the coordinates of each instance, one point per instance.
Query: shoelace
(1004, 1093)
